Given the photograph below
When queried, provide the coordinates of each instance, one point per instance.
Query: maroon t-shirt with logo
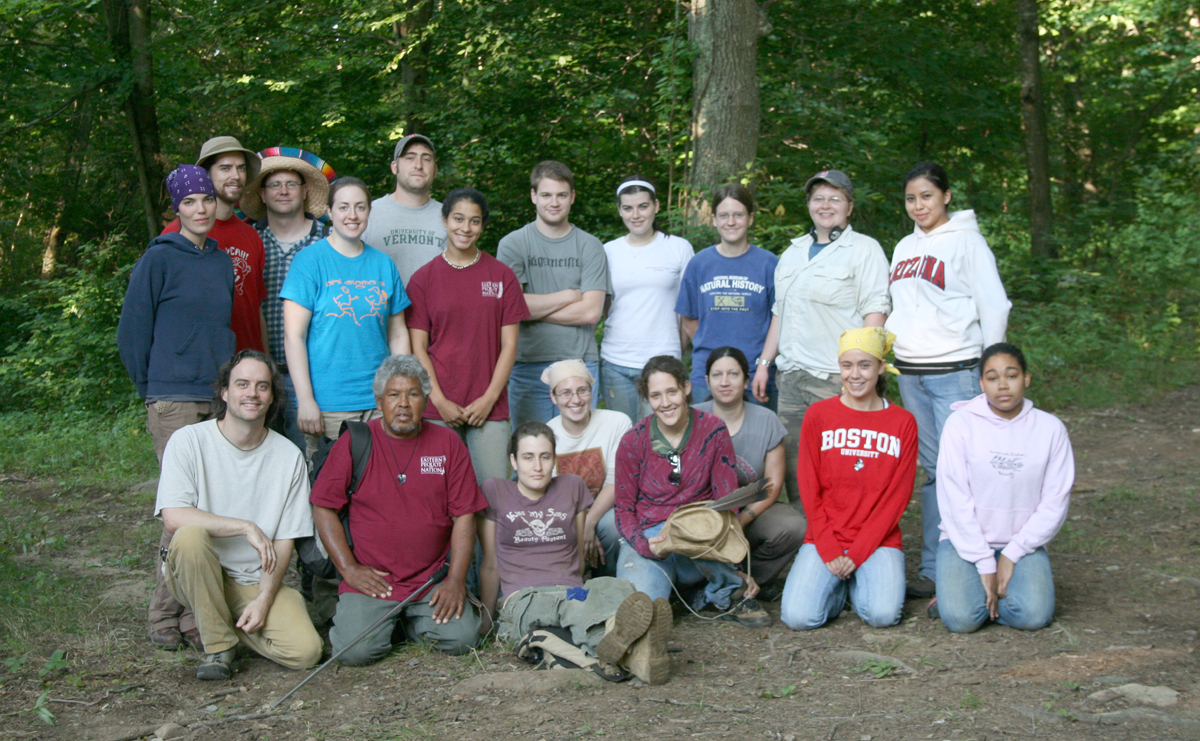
(403, 529)
(536, 541)
(463, 312)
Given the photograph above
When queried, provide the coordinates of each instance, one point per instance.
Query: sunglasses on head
(677, 474)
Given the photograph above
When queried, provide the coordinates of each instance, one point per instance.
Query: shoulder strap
(360, 451)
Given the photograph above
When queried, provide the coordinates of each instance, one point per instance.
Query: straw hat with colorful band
(219, 145)
(874, 341)
(316, 172)
(558, 372)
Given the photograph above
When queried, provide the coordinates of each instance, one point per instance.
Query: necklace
(478, 252)
(401, 476)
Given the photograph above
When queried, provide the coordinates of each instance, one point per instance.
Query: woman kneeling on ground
(530, 535)
(774, 529)
(1005, 472)
(675, 457)
(858, 460)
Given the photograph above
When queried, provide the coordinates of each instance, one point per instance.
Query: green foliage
(779, 693)
(79, 450)
(879, 668)
(64, 354)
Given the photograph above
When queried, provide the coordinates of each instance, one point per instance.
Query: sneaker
(168, 639)
(647, 658)
(216, 666)
(922, 588)
(750, 614)
(628, 624)
(192, 638)
(932, 610)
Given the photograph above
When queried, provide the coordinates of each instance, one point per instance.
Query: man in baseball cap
(407, 223)
(231, 166)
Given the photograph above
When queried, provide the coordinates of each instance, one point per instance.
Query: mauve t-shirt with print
(536, 541)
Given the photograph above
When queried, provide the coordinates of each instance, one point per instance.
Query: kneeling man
(415, 505)
(234, 493)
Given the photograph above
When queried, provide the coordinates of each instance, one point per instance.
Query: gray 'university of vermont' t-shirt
(410, 236)
(545, 265)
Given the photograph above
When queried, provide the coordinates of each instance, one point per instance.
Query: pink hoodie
(1002, 483)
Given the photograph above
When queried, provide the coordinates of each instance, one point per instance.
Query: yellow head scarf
(874, 341)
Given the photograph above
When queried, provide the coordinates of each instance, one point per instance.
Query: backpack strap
(360, 452)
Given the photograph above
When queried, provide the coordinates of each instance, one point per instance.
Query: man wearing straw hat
(285, 200)
(231, 166)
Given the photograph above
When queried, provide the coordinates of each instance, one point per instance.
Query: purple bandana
(186, 180)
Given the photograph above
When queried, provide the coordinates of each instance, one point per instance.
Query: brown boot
(626, 626)
(647, 658)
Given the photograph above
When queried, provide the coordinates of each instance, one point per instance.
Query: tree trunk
(1037, 149)
(413, 49)
(725, 103)
(129, 36)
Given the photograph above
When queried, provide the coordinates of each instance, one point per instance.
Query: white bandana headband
(630, 183)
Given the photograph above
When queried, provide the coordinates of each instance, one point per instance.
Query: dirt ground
(1126, 572)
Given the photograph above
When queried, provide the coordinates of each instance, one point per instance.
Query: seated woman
(1005, 472)
(858, 460)
(675, 457)
(774, 529)
(530, 534)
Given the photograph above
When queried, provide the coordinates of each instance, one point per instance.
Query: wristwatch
(761, 361)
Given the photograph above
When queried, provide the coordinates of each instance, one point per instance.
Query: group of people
(480, 379)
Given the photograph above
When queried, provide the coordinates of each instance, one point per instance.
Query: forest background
(1071, 126)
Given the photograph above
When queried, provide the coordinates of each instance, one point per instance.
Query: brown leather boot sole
(632, 619)
(647, 658)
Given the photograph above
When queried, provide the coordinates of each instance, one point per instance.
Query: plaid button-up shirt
(274, 272)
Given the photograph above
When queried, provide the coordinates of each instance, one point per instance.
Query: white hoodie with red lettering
(1002, 483)
(948, 303)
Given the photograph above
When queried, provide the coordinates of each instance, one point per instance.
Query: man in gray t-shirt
(407, 223)
(564, 274)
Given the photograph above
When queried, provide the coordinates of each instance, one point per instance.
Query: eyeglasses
(835, 200)
(676, 475)
(581, 394)
(284, 185)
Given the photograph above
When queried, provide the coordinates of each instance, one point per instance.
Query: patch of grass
(36, 603)
(879, 668)
(969, 702)
(108, 452)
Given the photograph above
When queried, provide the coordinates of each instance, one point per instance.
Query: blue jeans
(610, 543)
(286, 422)
(529, 398)
(812, 595)
(929, 399)
(1028, 603)
(655, 577)
(618, 384)
(700, 392)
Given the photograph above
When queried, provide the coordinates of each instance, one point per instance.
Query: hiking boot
(192, 638)
(750, 614)
(217, 666)
(626, 626)
(647, 658)
(932, 610)
(168, 639)
(922, 588)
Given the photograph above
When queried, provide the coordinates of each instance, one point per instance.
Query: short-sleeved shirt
(760, 432)
(410, 236)
(592, 455)
(536, 541)
(267, 485)
(403, 529)
(543, 265)
(463, 310)
(732, 298)
(241, 242)
(351, 300)
(641, 320)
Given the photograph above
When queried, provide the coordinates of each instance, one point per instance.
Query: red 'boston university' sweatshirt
(856, 476)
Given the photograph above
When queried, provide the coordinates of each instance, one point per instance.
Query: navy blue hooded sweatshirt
(174, 331)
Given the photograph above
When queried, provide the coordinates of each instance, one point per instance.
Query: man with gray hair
(413, 508)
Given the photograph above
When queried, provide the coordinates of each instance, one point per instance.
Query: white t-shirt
(267, 485)
(641, 321)
(410, 236)
(593, 455)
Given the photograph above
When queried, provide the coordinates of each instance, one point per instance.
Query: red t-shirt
(463, 312)
(856, 475)
(403, 529)
(241, 242)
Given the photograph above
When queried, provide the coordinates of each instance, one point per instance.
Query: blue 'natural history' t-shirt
(732, 298)
(351, 300)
